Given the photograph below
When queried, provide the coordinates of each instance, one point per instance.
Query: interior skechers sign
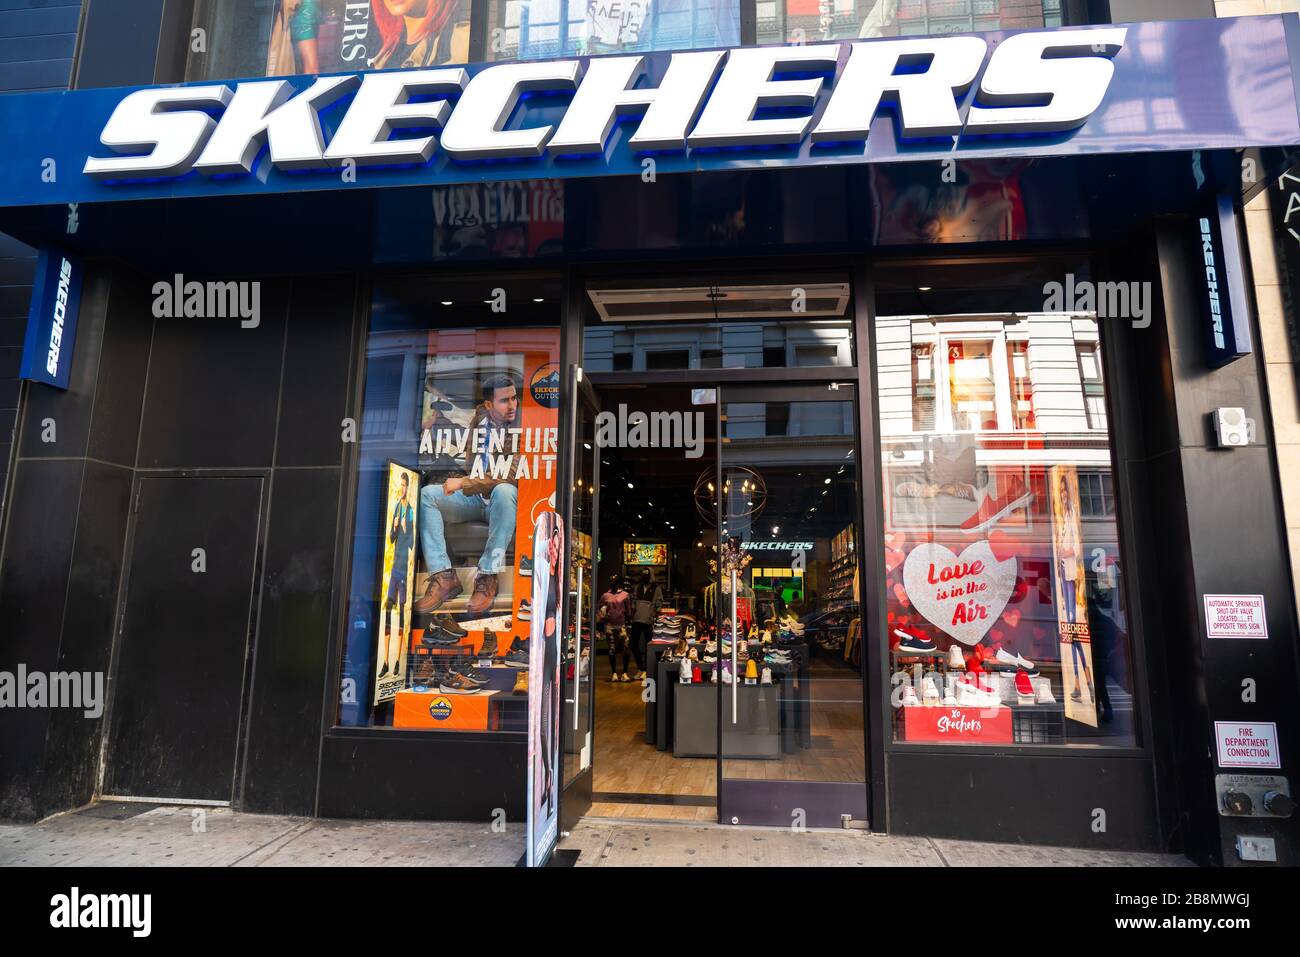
(1032, 84)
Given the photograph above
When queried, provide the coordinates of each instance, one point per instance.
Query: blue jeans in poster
(438, 507)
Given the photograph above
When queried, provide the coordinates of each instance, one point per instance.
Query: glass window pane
(1006, 619)
(732, 326)
(457, 454)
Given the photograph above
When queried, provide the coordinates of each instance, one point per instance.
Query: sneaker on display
(714, 676)
(949, 700)
(684, 671)
(625, 677)
(613, 679)
(910, 700)
(767, 676)
(1043, 692)
(1025, 688)
(751, 670)
(521, 683)
(912, 640)
(956, 659)
(726, 672)
(526, 565)
(929, 692)
(517, 656)
(1005, 657)
(994, 508)
(457, 684)
(697, 675)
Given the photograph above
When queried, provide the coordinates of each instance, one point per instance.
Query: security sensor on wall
(1232, 428)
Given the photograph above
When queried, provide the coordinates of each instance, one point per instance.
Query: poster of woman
(323, 36)
(396, 581)
(1069, 575)
(544, 679)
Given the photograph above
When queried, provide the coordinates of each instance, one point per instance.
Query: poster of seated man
(487, 404)
(477, 499)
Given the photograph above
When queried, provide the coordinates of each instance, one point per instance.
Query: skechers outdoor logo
(440, 709)
(545, 386)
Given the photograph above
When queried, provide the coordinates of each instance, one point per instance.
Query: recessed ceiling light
(924, 288)
(630, 485)
(446, 302)
(539, 299)
(827, 482)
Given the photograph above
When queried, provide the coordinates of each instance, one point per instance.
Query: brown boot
(442, 587)
(485, 592)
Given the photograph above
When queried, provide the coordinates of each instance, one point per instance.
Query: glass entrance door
(791, 743)
(580, 512)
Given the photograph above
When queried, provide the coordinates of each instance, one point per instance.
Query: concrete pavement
(136, 834)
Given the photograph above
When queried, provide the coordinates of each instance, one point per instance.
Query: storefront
(895, 414)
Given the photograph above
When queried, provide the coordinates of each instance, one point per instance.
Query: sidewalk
(135, 834)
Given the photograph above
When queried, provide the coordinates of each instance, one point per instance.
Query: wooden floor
(625, 764)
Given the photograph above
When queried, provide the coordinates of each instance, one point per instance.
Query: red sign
(959, 725)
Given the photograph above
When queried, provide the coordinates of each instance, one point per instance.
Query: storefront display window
(538, 29)
(810, 21)
(1005, 614)
(457, 459)
(289, 37)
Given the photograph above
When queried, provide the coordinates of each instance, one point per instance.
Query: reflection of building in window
(1022, 389)
(1004, 373)
(923, 387)
(541, 29)
(734, 344)
(971, 385)
(1094, 392)
(791, 21)
(1096, 495)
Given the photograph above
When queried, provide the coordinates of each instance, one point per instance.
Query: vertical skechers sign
(52, 321)
(1224, 294)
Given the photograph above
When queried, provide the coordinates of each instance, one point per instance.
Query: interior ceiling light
(446, 302)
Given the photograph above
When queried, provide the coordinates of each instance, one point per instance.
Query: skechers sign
(1224, 293)
(52, 321)
(1034, 83)
(1140, 87)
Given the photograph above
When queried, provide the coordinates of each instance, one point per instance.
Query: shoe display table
(790, 682)
(756, 733)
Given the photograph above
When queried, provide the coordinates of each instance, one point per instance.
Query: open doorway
(652, 583)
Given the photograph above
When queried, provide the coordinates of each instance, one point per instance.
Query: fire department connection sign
(1235, 616)
(1247, 745)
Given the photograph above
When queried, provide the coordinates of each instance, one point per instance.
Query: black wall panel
(213, 392)
(34, 570)
(316, 370)
(419, 777)
(294, 638)
(86, 636)
(1024, 799)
